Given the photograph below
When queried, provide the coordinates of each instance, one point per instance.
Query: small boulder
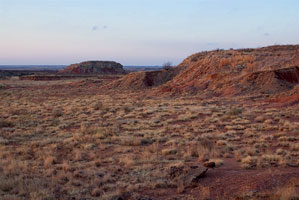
(209, 164)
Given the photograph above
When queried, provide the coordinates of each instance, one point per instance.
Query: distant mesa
(94, 68)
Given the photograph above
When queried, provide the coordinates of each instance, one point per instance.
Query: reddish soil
(286, 100)
(230, 180)
(268, 70)
(235, 72)
(246, 83)
(144, 79)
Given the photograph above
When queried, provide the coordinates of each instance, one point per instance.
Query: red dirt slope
(270, 70)
(144, 79)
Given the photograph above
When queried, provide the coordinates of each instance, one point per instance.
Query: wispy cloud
(96, 28)
(266, 34)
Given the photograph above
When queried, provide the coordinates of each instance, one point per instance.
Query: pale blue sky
(139, 32)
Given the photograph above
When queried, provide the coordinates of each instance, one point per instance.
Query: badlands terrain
(150, 135)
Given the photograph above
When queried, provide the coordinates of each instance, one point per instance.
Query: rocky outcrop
(268, 70)
(94, 68)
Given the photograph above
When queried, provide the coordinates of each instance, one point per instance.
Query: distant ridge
(60, 67)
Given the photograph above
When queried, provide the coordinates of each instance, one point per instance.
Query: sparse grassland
(69, 142)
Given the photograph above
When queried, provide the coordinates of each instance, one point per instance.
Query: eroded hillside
(234, 72)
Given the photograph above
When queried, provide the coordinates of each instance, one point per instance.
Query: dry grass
(249, 162)
(289, 191)
(89, 144)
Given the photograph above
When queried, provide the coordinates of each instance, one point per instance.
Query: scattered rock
(187, 176)
(96, 192)
(192, 177)
(209, 164)
(175, 171)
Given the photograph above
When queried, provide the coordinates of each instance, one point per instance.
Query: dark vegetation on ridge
(94, 68)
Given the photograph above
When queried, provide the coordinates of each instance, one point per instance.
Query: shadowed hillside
(145, 79)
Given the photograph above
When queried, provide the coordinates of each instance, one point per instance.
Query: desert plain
(148, 135)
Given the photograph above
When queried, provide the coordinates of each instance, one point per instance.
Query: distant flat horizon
(134, 31)
(59, 67)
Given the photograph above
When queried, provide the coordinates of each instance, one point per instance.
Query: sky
(139, 32)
